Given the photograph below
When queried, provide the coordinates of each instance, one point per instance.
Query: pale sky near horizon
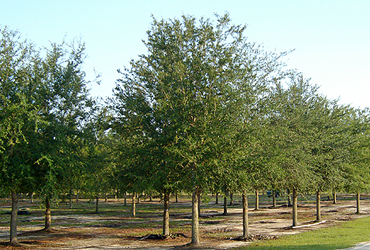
(331, 38)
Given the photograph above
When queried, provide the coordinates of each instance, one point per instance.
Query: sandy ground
(218, 233)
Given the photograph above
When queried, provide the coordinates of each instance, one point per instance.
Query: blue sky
(331, 38)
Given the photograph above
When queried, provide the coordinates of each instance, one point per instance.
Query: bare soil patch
(115, 229)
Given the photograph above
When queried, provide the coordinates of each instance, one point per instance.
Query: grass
(344, 235)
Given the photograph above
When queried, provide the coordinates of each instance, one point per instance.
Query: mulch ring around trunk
(162, 237)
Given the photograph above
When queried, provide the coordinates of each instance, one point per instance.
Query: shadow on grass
(301, 247)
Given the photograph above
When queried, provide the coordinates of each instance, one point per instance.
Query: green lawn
(344, 235)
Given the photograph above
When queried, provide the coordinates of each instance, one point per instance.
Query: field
(114, 228)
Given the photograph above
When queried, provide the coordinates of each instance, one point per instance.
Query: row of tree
(207, 111)
(204, 110)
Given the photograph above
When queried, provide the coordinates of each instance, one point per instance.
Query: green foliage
(356, 166)
(19, 118)
(64, 107)
(44, 104)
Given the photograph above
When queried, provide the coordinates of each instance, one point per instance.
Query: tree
(44, 103)
(64, 107)
(188, 90)
(182, 83)
(329, 146)
(19, 118)
(356, 165)
(292, 118)
(99, 160)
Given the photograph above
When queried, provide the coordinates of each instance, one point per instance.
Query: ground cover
(114, 228)
(343, 235)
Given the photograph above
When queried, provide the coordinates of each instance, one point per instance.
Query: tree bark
(125, 199)
(295, 207)
(245, 216)
(318, 206)
(199, 202)
(47, 214)
(334, 197)
(13, 219)
(134, 205)
(256, 206)
(166, 214)
(216, 198)
(177, 197)
(195, 219)
(97, 204)
(358, 197)
(274, 198)
(225, 205)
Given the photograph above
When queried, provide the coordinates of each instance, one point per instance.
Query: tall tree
(19, 117)
(64, 106)
(188, 91)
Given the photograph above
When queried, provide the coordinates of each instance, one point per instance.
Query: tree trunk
(274, 198)
(358, 196)
(47, 214)
(245, 216)
(32, 198)
(225, 205)
(134, 205)
(105, 197)
(216, 198)
(195, 219)
(295, 207)
(97, 204)
(231, 199)
(318, 206)
(199, 202)
(125, 199)
(177, 197)
(289, 198)
(334, 197)
(13, 219)
(166, 215)
(256, 206)
(70, 198)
